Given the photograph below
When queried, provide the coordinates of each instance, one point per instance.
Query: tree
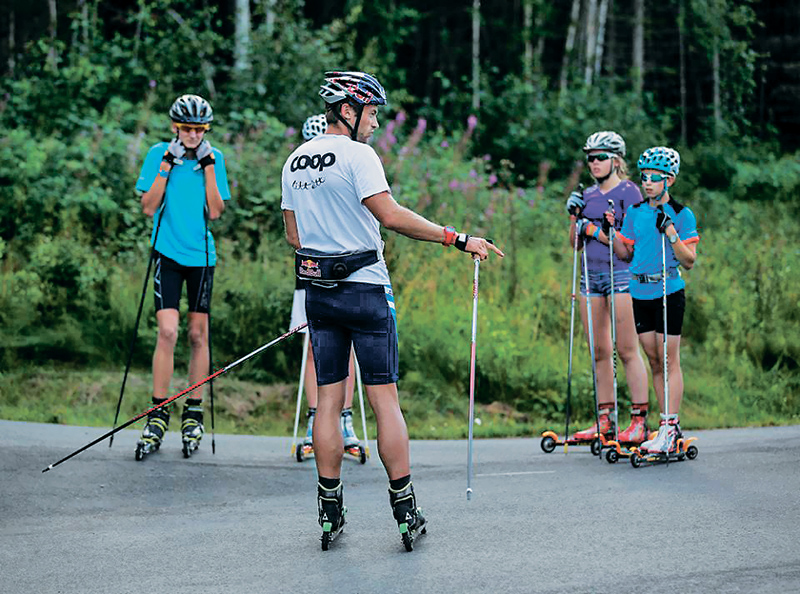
(476, 54)
(242, 37)
(638, 47)
(569, 44)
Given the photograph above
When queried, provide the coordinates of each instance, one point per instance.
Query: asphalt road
(244, 520)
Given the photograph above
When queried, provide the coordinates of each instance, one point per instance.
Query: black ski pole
(567, 410)
(138, 318)
(176, 396)
(210, 350)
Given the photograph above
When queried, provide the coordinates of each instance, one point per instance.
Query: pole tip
(48, 468)
(469, 494)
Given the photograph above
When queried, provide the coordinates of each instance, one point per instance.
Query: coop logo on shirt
(318, 162)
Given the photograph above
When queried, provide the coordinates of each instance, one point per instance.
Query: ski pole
(567, 406)
(571, 339)
(138, 318)
(217, 373)
(300, 385)
(664, 311)
(361, 402)
(210, 350)
(472, 375)
(591, 346)
(613, 323)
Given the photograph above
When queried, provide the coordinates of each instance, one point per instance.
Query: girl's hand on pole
(608, 221)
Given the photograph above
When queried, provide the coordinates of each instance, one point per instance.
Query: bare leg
(628, 348)
(392, 432)
(675, 373)
(310, 381)
(198, 342)
(651, 343)
(351, 381)
(328, 443)
(163, 357)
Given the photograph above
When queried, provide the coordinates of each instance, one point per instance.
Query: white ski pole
(361, 403)
(472, 375)
(591, 348)
(300, 386)
(612, 232)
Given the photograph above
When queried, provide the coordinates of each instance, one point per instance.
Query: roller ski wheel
(152, 433)
(691, 452)
(303, 452)
(329, 534)
(410, 520)
(358, 452)
(612, 456)
(408, 536)
(548, 443)
(636, 460)
(191, 428)
(596, 447)
(189, 446)
(331, 513)
(144, 448)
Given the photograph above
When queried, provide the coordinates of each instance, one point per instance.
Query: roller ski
(331, 513)
(410, 520)
(630, 438)
(306, 449)
(591, 437)
(153, 433)
(668, 445)
(191, 428)
(352, 445)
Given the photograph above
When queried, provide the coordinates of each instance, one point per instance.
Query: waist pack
(656, 278)
(314, 265)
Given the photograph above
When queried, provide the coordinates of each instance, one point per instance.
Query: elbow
(689, 264)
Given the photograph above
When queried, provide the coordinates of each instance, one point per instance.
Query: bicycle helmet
(605, 141)
(191, 109)
(661, 158)
(314, 126)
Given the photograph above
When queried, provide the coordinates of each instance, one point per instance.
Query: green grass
(89, 397)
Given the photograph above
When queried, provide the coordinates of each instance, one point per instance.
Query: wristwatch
(673, 238)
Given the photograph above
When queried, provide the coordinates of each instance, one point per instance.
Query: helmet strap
(353, 129)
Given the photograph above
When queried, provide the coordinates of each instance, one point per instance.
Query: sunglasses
(198, 128)
(598, 157)
(653, 177)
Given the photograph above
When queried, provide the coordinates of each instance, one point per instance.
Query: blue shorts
(359, 313)
(600, 283)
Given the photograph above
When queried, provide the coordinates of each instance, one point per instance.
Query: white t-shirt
(323, 182)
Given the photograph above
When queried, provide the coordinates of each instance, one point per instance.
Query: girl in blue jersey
(640, 244)
(184, 184)
(605, 155)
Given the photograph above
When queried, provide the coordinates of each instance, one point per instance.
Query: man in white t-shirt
(335, 197)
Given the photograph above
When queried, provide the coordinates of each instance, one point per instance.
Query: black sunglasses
(599, 157)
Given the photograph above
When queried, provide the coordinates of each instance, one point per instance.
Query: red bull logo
(310, 268)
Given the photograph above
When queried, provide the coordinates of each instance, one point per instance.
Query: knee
(602, 352)
(168, 334)
(628, 355)
(197, 337)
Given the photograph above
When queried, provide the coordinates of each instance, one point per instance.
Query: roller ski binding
(191, 428)
(153, 433)
(306, 449)
(629, 438)
(410, 520)
(331, 513)
(352, 445)
(668, 445)
(591, 437)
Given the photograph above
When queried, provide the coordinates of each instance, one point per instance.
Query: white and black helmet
(191, 109)
(357, 87)
(605, 140)
(314, 126)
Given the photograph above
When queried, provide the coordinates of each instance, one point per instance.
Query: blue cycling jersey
(639, 230)
(182, 235)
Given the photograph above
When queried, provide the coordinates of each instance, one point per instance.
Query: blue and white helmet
(314, 126)
(359, 88)
(661, 158)
(191, 109)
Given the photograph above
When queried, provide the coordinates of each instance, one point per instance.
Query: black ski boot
(409, 517)
(153, 432)
(191, 427)
(331, 513)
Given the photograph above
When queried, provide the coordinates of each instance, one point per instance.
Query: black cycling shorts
(648, 314)
(168, 282)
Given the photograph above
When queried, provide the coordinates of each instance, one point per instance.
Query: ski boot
(331, 513)
(596, 439)
(352, 445)
(191, 427)
(629, 438)
(153, 432)
(409, 517)
(306, 448)
(668, 445)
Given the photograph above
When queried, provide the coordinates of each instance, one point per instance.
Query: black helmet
(357, 87)
(191, 109)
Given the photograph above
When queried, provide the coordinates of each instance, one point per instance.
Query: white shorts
(299, 310)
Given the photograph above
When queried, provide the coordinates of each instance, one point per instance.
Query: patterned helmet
(191, 109)
(661, 158)
(314, 126)
(357, 87)
(605, 141)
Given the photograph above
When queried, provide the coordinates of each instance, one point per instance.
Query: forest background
(490, 102)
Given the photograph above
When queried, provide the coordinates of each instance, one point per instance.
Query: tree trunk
(638, 47)
(717, 101)
(591, 42)
(270, 17)
(52, 30)
(12, 42)
(570, 44)
(527, 38)
(682, 58)
(242, 37)
(601, 37)
(476, 54)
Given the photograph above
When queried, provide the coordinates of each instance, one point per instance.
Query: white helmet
(314, 126)
(605, 141)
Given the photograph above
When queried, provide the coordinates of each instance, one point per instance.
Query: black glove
(575, 204)
(205, 155)
(461, 241)
(663, 220)
(175, 152)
